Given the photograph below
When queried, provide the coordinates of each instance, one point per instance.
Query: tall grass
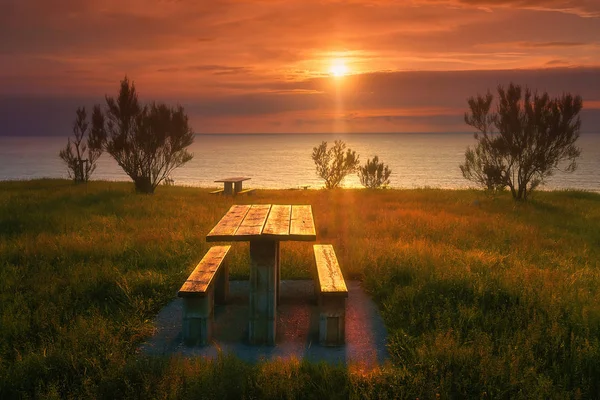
(482, 297)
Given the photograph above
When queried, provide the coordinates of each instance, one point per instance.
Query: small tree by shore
(335, 163)
(524, 141)
(374, 174)
(81, 154)
(148, 142)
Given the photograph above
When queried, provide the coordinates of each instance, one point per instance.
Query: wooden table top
(265, 222)
(234, 179)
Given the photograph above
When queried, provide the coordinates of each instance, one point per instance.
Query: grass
(482, 297)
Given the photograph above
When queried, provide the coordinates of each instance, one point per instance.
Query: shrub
(374, 174)
(147, 142)
(333, 164)
(535, 133)
(81, 162)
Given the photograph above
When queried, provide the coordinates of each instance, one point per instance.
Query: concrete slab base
(297, 328)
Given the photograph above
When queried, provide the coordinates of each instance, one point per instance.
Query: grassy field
(482, 297)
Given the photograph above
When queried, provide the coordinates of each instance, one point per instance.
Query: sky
(257, 66)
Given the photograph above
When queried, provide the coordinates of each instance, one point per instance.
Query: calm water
(284, 161)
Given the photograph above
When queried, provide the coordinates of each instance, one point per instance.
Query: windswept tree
(148, 142)
(524, 141)
(374, 174)
(335, 163)
(81, 154)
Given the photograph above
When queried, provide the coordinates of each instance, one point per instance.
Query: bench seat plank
(230, 222)
(255, 220)
(330, 275)
(332, 293)
(200, 279)
(278, 221)
(245, 191)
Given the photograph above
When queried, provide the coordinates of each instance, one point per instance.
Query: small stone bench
(331, 294)
(218, 191)
(209, 282)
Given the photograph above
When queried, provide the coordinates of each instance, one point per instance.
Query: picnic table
(264, 226)
(232, 186)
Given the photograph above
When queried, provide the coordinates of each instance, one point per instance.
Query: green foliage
(81, 163)
(498, 300)
(147, 142)
(374, 174)
(334, 164)
(535, 134)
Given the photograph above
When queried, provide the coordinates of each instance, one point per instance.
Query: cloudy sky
(271, 66)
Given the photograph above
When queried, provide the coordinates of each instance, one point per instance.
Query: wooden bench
(199, 294)
(246, 191)
(331, 294)
(218, 191)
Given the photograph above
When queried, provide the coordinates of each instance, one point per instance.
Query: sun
(338, 68)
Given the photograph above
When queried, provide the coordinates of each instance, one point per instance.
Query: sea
(283, 161)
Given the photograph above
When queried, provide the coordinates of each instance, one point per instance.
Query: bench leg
(332, 321)
(278, 268)
(198, 319)
(263, 293)
(222, 284)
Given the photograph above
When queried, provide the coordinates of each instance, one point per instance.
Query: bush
(147, 142)
(374, 174)
(333, 164)
(535, 133)
(86, 151)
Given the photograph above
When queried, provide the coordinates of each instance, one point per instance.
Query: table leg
(237, 188)
(263, 292)
(278, 268)
(228, 188)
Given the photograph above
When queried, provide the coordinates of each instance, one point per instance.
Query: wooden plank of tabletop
(330, 275)
(199, 280)
(302, 222)
(226, 227)
(253, 224)
(278, 221)
(234, 179)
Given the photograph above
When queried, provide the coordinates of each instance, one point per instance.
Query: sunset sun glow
(338, 68)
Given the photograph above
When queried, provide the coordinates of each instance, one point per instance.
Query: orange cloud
(591, 104)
